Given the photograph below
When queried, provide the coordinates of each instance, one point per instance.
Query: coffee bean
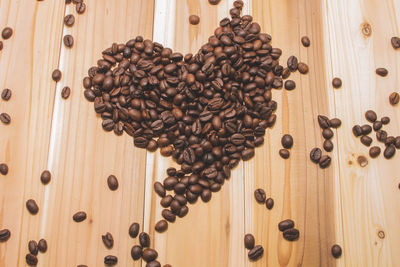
(260, 195)
(269, 203)
(325, 161)
(69, 20)
(389, 151)
(149, 255)
(249, 241)
(136, 252)
(374, 151)
(323, 122)
(394, 98)
(327, 133)
(328, 145)
(315, 155)
(153, 264)
(166, 201)
(305, 41)
(134, 230)
(335, 123)
(3, 169)
(381, 136)
(159, 189)
(291, 234)
(42, 245)
(397, 142)
(32, 207)
(336, 82)
(4, 235)
(144, 240)
(31, 259)
(366, 140)
(395, 41)
(112, 182)
(292, 63)
(284, 153)
(56, 75)
(79, 216)
(6, 94)
(68, 41)
(366, 129)
(357, 131)
(290, 85)
(214, 2)
(287, 141)
(1, 45)
(390, 140)
(168, 215)
(80, 8)
(110, 260)
(302, 68)
(66, 91)
(336, 251)
(385, 120)
(108, 240)
(194, 19)
(161, 226)
(7, 33)
(285, 224)
(5, 118)
(382, 72)
(82, 265)
(377, 125)
(370, 115)
(256, 253)
(32, 247)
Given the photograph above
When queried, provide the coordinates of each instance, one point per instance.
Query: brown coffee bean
(80, 8)
(385, 120)
(153, 264)
(136, 252)
(389, 151)
(5, 118)
(315, 155)
(394, 98)
(259, 195)
(31, 259)
(290, 85)
(7, 33)
(395, 41)
(381, 136)
(336, 83)
(110, 260)
(302, 68)
(42, 245)
(336, 251)
(377, 125)
(256, 253)
(357, 131)
(159, 189)
(323, 122)
(285, 224)
(1, 45)
(161, 226)
(149, 255)
(390, 140)
(144, 240)
(371, 116)
(292, 63)
(194, 19)
(166, 201)
(284, 153)
(4, 235)
(328, 145)
(366, 140)
(32, 207)
(6, 94)
(112, 182)
(287, 141)
(335, 123)
(32, 247)
(108, 240)
(291, 234)
(327, 133)
(56, 75)
(214, 2)
(69, 20)
(366, 129)
(79, 216)
(397, 142)
(249, 241)
(269, 203)
(382, 72)
(68, 41)
(374, 151)
(305, 41)
(134, 230)
(325, 161)
(168, 215)
(66, 91)
(3, 168)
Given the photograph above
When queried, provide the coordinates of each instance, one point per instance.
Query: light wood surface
(345, 204)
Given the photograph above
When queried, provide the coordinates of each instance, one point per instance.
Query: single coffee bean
(291, 234)
(374, 151)
(134, 230)
(31, 259)
(42, 245)
(366, 129)
(305, 41)
(394, 98)
(327, 133)
(382, 72)
(161, 226)
(3, 169)
(32, 207)
(269, 203)
(249, 241)
(290, 85)
(390, 140)
(260, 195)
(328, 145)
(377, 125)
(194, 19)
(5, 118)
(65, 92)
(6, 94)
(302, 68)
(79, 216)
(4, 235)
(110, 260)
(7, 33)
(285, 224)
(335, 123)
(292, 63)
(153, 264)
(336, 82)
(166, 201)
(389, 151)
(395, 41)
(397, 142)
(385, 120)
(370, 115)
(32, 247)
(366, 140)
(256, 253)
(168, 215)
(287, 141)
(336, 251)
(159, 189)
(112, 182)
(45, 177)
(323, 122)
(1, 45)
(108, 240)
(284, 153)
(357, 131)
(68, 41)
(56, 75)
(136, 252)
(381, 136)
(149, 255)
(325, 161)
(80, 8)
(144, 240)
(69, 20)
(214, 2)
(315, 154)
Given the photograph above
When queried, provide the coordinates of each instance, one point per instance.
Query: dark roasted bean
(134, 230)
(336, 82)
(136, 252)
(249, 241)
(4, 235)
(382, 72)
(79, 216)
(260, 196)
(336, 251)
(269, 203)
(32, 207)
(256, 253)
(6, 94)
(305, 41)
(144, 240)
(291, 234)
(112, 182)
(110, 260)
(315, 154)
(325, 161)
(108, 240)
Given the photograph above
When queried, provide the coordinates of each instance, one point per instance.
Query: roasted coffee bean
(144, 240)
(377, 125)
(110, 260)
(56, 75)
(370, 115)
(80, 8)
(269, 203)
(3, 169)
(357, 131)
(7, 33)
(366, 140)
(42, 245)
(248, 154)
(374, 151)
(32, 207)
(1, 45)
(161, 226)
(336, 251)
(327, 133)
(33, 247)
(291, 234)
(336, 82)
(305, 41)
(149, 255)
(6, 94)
(249, 241)
(381, 136)
(166, 201)
(284, 153)
(214, 2)
(382, 72)
(31, 259)
(69, 20)
(328, 145)
(256, 253)
(108, 240)
(66, 91)
(385, 120)
(315, 154)
(302, 68)
(4, 235)
(397, 142)
(79, 216)
(290, 85)
(292, 63)
(366, 129)
(153, 264)
(286, 224)
(112, 182)
(389, 151)
(168, 215)
(325, 161)
(335, 123)
(390, 140)
(323, 122)
(68, 41)
(136, 252)
(159, 189)
(5, 118)
(134, 230)
(394, 98)
(194, 19)
(287, 141)
(260, 196)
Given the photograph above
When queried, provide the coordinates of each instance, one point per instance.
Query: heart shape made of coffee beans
(207, 110)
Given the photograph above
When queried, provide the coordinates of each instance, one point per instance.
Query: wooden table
(345, 204)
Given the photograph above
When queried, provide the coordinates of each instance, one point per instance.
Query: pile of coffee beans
(34, 248)
(255, 252)
(289, 232)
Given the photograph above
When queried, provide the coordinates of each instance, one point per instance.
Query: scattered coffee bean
(149, 255)
(7, 33)
(305, 41)
(284, 153)
(370, 115)
(285, 224)
(153, 264)
(80, 8)
(302, 68)
(335, 123)
(325, 161)
(397, 142)
(366, 140)
(291, 234)
(166, 201)
(249, 241)
(336, 251)
(327, 133)
(328, 145)
(214, 2)
(4, 235)
(42, 245)
(56, 75)
(269, 203)
(32, 207)
(362, 161)
(315, 154)
(287, 141)
(385, 120)
(110, 260)
(108, 240)
(256, 253)
(159, 189)
(144, 240)
(31, 259)
(68, 41)
(292, 63)
(394, 98)
(290, 85)
(112, 182)
(45, 177)
(65, 92)
(161, 226)
(374, 151)
(134, 230)
(357, 131)
(79, 216)
(32, 247)
(6, 94)
(390, 140)
(336, 83)
(1, 45)
(377, 125)
(136, 252)
(69, 20)
(389, 151)
(366, 129)
(194, 19)
(260, 195)
(168, 215)
(381, 136)
(5, 118)
(3, 169)
(382, 72)
(323, 122)
(395, 41)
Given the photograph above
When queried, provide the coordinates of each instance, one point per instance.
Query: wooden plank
(83, 155)
(26, 63)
